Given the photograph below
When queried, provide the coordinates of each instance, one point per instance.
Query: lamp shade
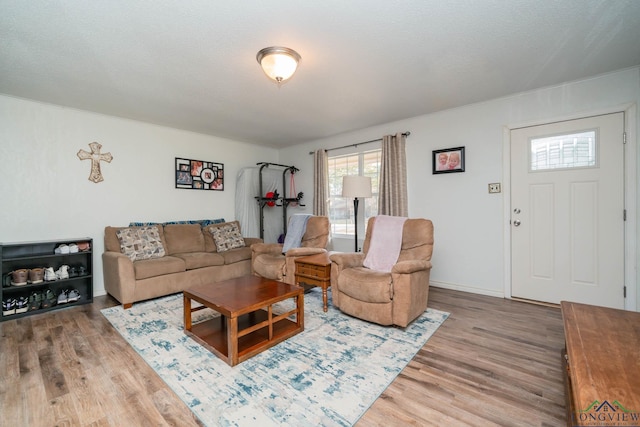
(356, 186)
(278, 63)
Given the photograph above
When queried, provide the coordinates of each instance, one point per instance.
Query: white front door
(567, 211)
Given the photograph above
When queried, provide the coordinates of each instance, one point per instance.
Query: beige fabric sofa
(190, 259)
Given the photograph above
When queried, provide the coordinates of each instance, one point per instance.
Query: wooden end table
(315, 270)
(247, 325)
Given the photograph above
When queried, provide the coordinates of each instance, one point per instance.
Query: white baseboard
(463, 288)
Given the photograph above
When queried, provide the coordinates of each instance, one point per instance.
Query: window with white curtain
(366, 163)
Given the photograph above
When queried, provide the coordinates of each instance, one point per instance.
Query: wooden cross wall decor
(95, 156)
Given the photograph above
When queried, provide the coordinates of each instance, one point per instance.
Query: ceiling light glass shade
(278, 63)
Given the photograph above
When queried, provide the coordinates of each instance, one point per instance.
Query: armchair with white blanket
(306, 235)
(388, 283)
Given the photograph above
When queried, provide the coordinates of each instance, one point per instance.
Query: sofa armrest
(266, 248)
(249, 241)
(411, 266)
(119, 277)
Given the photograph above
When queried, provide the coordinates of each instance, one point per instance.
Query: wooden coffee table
(247, 325)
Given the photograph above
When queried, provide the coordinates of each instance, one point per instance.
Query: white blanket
(295, 231)
(385, 243)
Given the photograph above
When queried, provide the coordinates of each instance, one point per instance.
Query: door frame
(630, 195)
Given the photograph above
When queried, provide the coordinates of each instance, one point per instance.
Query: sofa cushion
(158, 267)
(194, 260)
(202, 222)
(112, 243)
(227, 236)
(366, 285)
(140, 243)
(236, 255)
(206, 222)
(183, 238)
(316, 234)
(209, 243)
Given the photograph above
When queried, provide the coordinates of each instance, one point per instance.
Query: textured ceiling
(191, 64)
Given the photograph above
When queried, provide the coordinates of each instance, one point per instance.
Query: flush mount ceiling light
(278, 63)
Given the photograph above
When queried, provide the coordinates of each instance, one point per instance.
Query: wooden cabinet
(42, 254)
(602, 365)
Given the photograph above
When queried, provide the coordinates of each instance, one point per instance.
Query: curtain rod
(407, 133)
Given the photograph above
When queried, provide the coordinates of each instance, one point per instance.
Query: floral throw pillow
(140, 243)
(227, 237)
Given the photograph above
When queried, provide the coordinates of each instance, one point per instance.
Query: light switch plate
(494, 188)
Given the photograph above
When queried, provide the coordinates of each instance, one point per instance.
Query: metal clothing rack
(279, 201)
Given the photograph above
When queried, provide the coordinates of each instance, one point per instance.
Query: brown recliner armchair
(394, 298)
(268, 261)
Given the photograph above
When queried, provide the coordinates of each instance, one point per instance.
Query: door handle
(516, 223)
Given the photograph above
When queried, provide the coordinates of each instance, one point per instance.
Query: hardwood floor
(493, 362)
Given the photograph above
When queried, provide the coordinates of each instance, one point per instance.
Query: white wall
(45, 193)
(469, 223)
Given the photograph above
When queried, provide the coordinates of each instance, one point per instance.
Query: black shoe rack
(42, 254)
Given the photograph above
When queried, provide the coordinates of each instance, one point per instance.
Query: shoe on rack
(73, 271)
(84, 246)
(49, 274)
(73, 295)
(73, 248)
(63, 298)
(8, 306)
(22, 305)
(62, 272)
(35, 301)
(36, 275)
(48, 299)
(62, 249)
(19, 277)
(82, 271)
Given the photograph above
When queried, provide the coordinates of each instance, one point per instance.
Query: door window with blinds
(341, 215)
(566, 151)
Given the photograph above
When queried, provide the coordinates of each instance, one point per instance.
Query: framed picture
(199, 175)
(449, 160)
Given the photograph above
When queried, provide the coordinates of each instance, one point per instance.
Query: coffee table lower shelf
(253, 334)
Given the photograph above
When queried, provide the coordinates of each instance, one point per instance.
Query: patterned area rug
(327, 375)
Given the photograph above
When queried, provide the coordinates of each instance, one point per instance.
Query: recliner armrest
(298, 252)
(347, 260)
(410, 266)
